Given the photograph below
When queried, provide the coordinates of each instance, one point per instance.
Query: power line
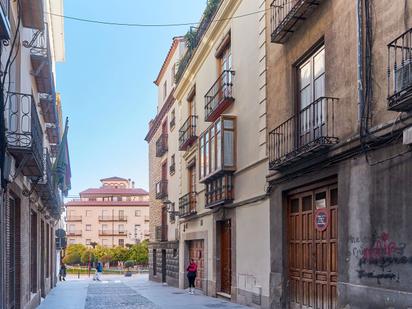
(121, 24)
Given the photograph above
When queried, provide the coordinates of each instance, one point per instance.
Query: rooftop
(107, 203)
(114, 191)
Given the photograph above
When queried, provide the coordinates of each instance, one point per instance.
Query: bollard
(78, 273)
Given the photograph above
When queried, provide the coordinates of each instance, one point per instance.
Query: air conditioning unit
(403, 76)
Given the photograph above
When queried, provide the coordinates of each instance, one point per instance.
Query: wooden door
(312, 254)
(196, 250)
(225, 257)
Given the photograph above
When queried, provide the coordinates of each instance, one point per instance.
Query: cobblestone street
(124, 293)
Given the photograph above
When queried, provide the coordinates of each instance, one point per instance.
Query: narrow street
(123, 293)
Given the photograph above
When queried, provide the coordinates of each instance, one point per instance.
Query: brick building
(35, 169)
(116, 214)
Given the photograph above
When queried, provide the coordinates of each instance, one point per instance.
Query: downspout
(361, 98)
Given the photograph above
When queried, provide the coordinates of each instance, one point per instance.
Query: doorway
(312, 248)
(196, 252)
(163, 265)
(225, 271)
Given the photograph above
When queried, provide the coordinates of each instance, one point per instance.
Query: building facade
(116, 214)
(220, 112)
(163, 173)
(35, 168)
(339, 100)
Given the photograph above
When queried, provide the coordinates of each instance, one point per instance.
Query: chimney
(128, 182)
(133, 184)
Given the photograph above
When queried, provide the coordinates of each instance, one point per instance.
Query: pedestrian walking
(191, 275)
(62, 272)
(99, 271)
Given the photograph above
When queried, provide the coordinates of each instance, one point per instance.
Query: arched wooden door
(312, 233)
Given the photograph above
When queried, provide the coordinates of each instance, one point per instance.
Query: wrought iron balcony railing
(45, 187)
(287, 15)
(309, 131)
(41, 60)
(172, 122)
(161, 189)
(187, 204)
(172, 168)
(113, 218)
(4, 20)
(74, 218)
(220, 96)
(24, 133)
(112, 233)
(74, 233)
(187, 133)
(219, 191)
(400, 73)
(161, 145)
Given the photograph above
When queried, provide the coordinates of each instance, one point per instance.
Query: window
(105, 242)
(72, 228)
(121, 214)
(88, 241)
(88, 213)
(137, 213)
(105, 227)
(88, 227)
(121, 228)
(217, 147)
(137, 231)
(165, 90)
(172, 119)
(172, 167)
(72, 241)
(121, 242)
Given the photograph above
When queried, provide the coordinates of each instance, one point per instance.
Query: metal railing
(172, 168)
(161, 189)
(400, 72)
(286, 14)
(161, 145)
(73, 218)
(219, 96)
(172, 122)
(187, 204)
(307, 131)
(219, 191)
(113, 218)
(112, 232)
(24, 132)
(187, 132)
(74, 233)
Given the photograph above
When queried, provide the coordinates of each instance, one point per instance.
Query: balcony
(161, 145)
(24, 134)
(187, 205)
(112, 233)
(40, 56)
(172, 168)
(4, 20)
(287, 16)
(45, 188)
(219, 191)
(48, 108)
(74, 219)
(161, 189)
(187, 133)
(74, 233)
(113, 218)
(172, 122)
(400, 73)
(219, 97)
(146, 219)
(32, 14)
(310, 131)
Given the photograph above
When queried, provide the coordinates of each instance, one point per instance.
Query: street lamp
(170, 208)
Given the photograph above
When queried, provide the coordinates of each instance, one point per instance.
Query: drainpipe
(361, 99)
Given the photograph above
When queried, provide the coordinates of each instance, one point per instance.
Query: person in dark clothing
(191, 275)
(63, 272)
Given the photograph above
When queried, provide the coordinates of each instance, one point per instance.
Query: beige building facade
(116, 214)
(35, 170)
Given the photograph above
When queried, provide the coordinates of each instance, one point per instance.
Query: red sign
(321, 219)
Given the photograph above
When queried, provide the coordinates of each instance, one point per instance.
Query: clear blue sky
(107, 86)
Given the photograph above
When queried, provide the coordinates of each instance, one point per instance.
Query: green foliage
(211, 7)
(140, 253)
(88, 256)
(120, 254)
(128, 264)
(100, 251)
(191, 38)
(72, 258)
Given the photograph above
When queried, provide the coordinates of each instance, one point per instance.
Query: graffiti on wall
(378, 255)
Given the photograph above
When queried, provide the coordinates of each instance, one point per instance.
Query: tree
(100, 251)
(140, 253)
(120, 254)
(88, 256)
(72, 258)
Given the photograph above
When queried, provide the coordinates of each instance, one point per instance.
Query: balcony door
(225, 64)
(192, 186)
(311, 81)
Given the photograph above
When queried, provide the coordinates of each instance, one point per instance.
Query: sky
(106, 83)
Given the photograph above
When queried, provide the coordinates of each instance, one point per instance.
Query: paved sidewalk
(120, 292)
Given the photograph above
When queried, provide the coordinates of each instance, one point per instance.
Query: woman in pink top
(191, 275)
